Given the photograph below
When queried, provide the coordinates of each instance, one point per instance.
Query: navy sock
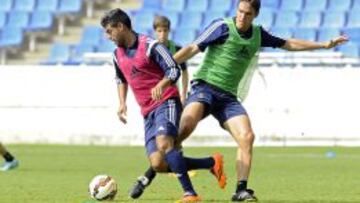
(150, 174)
(8, 157)
(178, 165)
(202, 163)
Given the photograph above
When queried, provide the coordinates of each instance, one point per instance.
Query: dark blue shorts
(164, 120)
(222, 105)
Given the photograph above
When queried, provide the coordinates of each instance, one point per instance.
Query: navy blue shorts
(164, 120)
(222, 105)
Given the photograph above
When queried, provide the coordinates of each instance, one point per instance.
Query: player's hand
(156, 92)
(122, 113)
(336, 42)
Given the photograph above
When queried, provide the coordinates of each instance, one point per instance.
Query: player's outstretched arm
(186, 53)
(303, 45)
(122, 93)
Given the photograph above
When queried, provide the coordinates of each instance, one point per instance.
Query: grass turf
(60, 174)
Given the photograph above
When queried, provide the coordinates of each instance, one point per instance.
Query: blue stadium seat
(19, 19)
(3, 19)
(353, 34)
(142, 30)
(273, 4)
(334, 19)
(305, 33)
(106, 46)
(144, 20)
(287, 19)
(292, 5)
(59, 54)
(184, 36)
(220, 5)
(41, 20)
(282, 32)
(353, 19)
(48, 5)
(24, 5)
(11, 36)
(325, 34)
(6, 5)
(174, 5)
(152, 5)
(350, 50)
(190, 20)
(70, 6)
(336, 5)
(356, 5)
(77, 53)
(310, 19)
(198, 5)
(265, 18)
(210, 16)
(173, 17)
(91, 35)
(318, 5)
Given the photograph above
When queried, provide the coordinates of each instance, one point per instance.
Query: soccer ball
(102, 187)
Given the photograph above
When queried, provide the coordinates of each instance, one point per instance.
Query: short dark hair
(255, 4)
(114, 17)
(161, 21)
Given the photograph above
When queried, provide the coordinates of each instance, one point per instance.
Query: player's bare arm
(303, 45)
(122, 93)
(184, 81)
(186, 53)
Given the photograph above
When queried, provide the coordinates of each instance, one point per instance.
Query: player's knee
(164, 146)
(246, 139)
(187, 126)
(158, 165)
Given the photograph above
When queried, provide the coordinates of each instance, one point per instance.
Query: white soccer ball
(103, 187)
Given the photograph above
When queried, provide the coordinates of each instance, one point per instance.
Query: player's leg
(233, 117)
(157, 163)
(167, 118)
(240, 128)
(197, 107)
(10, 161)
(192, 114)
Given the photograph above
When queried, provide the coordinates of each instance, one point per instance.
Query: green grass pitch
(60, 174)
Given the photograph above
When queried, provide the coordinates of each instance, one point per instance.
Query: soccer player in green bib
(224, 76)
(231, 45)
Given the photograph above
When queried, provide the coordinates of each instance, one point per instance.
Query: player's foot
(8, 165)
(137, 190)
(218, 170)
(190, 197)
(244, 196)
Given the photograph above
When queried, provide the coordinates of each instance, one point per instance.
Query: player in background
(149, 69)
(231, 45)
(10, 161)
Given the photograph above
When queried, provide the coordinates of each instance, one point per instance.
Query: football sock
(241, 185)
(199, 163)
(150, 174)
(8, 157)
(178, 165)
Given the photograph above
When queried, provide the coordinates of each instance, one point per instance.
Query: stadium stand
(285, 18)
